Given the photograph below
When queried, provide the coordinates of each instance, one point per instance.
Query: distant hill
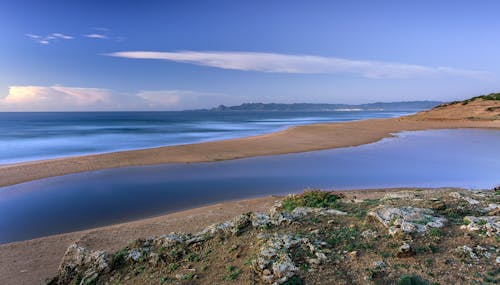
(485, 107)
(315, 107)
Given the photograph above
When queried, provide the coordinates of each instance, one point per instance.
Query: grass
(172, 267)
(294, 280)
(119, 257)
(435, 232)
(311, 198)
(412, 280)
(232, 273)
(193, 257)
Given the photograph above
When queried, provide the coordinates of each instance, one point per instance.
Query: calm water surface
(467, 158)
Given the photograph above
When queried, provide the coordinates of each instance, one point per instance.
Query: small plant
(233, 273)
(433, 248)
(481, 222)
(311, 198)
(188, 276)
(294, 280)
(172, 267)
(435, 232)
(412, 280)
(193, 257)
(119, 257)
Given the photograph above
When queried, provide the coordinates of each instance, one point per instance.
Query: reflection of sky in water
(32, 136)
(468, 158)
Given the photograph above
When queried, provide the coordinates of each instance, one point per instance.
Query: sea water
(35, 136)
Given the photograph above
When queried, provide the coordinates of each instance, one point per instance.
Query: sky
(172, 55)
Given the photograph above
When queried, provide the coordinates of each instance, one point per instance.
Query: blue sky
(171, 55)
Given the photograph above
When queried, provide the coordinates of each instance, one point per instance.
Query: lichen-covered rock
(465, 252)
(405, 250)
(398, 195)
(492, 209)
(261, 220)
(369, 234)
(301, 212)
(134, 255)
(274, 263)
(488, 225)
(407, 219)
(79, 263)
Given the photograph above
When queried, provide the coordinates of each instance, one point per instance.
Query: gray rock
(406, 219)
(134, 255)
(79, 263)
(490, 225)
(405, 250)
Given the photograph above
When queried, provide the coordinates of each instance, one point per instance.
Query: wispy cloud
(63, 98)
(308, 64)
(47, 39)
(96, 36)
(95, 33)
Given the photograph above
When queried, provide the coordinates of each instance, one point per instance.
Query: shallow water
(34, 136)
(468, 158)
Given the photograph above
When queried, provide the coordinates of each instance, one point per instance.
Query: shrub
(412, 280)
(311, 198)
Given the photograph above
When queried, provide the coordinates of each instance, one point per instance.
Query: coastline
(32, 261)
(292, 140)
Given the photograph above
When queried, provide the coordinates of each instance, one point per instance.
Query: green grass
(193, 257)
(232, 273)
(435, 232)
(119, 257)
(412, 280)
(311, 198)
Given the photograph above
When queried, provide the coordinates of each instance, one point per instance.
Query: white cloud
(96, 36)
(62, 98)
(47, 39)
(309, 64)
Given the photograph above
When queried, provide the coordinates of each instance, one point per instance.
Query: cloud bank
(62, 98)
(307, 64)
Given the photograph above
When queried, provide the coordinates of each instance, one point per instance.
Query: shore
(32, 261)
(292, 140)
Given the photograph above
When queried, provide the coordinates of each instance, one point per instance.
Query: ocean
(36, 136)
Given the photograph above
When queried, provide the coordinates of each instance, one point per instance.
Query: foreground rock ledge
(415, 235)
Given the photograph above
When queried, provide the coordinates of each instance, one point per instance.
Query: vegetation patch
(312, 198)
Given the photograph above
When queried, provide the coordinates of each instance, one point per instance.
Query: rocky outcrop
(82, 266)
(406, 220)
(274, 263)
(487, 225)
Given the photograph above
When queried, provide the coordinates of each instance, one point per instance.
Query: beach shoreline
(295, 139)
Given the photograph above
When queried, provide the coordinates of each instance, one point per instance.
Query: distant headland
(324, 107)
